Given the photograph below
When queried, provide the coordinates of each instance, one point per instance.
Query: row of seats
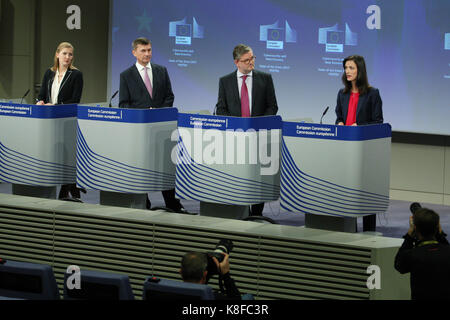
(21, 280)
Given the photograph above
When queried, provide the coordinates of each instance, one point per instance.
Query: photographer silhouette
(425, 253)
(194, 269)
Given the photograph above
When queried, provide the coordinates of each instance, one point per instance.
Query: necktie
(245, 104)
(147, 82)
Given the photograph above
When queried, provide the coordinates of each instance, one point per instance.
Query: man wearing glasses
(246, 93)
(259, 94)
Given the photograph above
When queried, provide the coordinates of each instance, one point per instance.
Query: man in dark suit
(147, 85)
(246, 92)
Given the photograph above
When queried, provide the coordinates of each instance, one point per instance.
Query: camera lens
(414, 207)
(224, 246)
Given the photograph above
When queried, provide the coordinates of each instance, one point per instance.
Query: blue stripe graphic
(304, 193)
(97, 172)
(16, 167)
(195, 181)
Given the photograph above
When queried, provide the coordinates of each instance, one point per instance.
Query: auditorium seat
(164, 289)
(99, 285)
(31, 281)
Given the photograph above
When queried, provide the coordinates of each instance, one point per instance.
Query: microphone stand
(324, 114)
(26, 93)
(110, 100)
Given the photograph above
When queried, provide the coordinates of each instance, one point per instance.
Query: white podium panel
(337, 171)
(126, 150)
(37, 144)
(228, 160)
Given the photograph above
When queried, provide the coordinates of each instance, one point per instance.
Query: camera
(224, 246)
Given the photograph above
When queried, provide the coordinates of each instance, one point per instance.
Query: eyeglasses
(247, 61)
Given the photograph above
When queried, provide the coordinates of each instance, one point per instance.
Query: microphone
(324, 114)
(414, 207)
(115, 94)
(26, 93)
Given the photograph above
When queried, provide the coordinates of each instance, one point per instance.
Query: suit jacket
(368, 111)
(69, 91)
(428, 265)
(134, 94)
(264, 101)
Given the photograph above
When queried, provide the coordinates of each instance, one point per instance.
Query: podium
(37, 147)
(126, 153)
(334, 174)
(228, 163)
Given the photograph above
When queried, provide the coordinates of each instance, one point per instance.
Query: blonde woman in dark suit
(62, 84)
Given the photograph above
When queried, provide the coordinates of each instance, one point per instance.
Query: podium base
(341, 224)
(228, 211)
(125, 200)
(34, 191)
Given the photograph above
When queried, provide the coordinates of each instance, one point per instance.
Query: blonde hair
(62, 45)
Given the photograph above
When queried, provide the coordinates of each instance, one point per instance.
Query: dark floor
(394, 223)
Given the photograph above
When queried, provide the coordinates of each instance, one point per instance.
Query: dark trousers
(370, 222)
(257, 209)
(69, 188)
(169, 200)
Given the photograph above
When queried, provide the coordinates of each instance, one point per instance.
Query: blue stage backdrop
(406, 44)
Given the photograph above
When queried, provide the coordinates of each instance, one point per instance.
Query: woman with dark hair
(358, 104)
(62, 84)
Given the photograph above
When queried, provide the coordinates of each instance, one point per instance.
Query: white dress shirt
(56, 86)
(249, 83)
(141, 70)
